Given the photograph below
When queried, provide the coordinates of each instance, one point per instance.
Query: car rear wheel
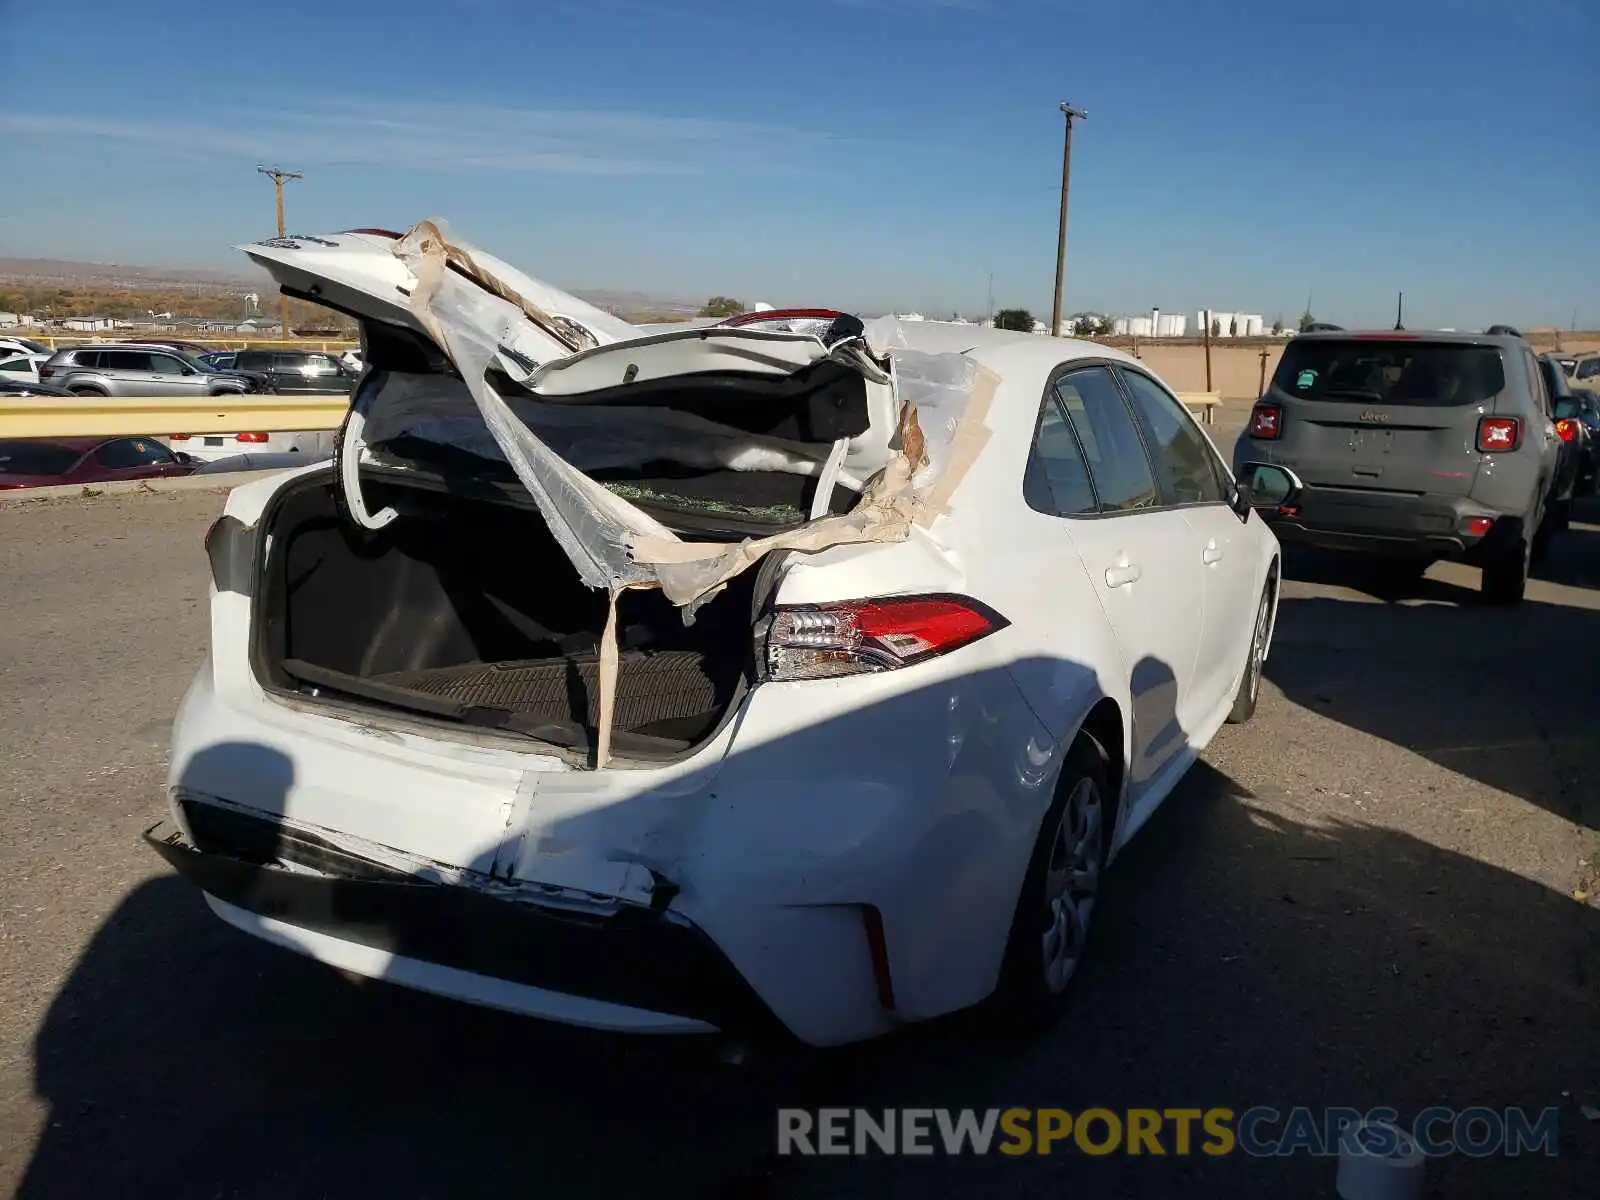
(86, 391)
(1505, 576)
(1244, 703)
(1050, 929)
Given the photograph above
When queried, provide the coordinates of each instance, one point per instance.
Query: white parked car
(23, 367)
(722, 679)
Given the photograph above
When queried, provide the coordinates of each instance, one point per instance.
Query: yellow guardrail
(158, 416)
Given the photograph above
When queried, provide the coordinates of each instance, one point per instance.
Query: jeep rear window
(1410, 373)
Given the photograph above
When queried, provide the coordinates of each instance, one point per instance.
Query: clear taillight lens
(858, 637)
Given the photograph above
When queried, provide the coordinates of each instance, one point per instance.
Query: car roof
(1411, 335)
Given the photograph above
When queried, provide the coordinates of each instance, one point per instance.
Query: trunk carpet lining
(651, 688)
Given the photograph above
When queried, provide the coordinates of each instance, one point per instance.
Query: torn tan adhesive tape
(1368, 1175)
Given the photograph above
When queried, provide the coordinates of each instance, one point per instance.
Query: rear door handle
(1122, 575)
(1213, 551)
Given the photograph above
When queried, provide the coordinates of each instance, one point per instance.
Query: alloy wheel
(1071, 882)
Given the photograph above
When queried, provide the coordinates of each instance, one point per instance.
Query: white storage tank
(1119, 326)
(1257, 326)
(1222, 322)
(1139, 326)
(1171, 325)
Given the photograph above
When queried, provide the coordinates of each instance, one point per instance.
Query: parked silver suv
(110, 369)
(1423, 446)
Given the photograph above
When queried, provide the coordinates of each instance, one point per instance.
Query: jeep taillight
(1266, 421)
(860, 636)
(1499, 434)
(1567, 429)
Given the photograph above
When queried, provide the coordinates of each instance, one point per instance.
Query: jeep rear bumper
(1395, 523)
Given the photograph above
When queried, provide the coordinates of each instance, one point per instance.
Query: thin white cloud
(449, 137)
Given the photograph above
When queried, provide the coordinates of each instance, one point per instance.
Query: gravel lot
(1381, 891)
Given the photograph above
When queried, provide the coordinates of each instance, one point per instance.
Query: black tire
(1505, 576)
(1244, 702)
(86, 391)
(1033, 990)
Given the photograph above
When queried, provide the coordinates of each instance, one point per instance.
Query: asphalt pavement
(1381, 891)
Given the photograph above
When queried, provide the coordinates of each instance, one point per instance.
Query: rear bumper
(635, 970)
(1402, 524)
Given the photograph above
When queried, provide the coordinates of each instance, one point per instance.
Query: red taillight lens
(179, 437)
(255, 439)
(872, 635)
(1566, 429)
(1266, 421)
(1498, 434)
(45, 372)
(1477, 526)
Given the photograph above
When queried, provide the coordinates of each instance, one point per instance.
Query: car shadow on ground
(1508, 696)
(1242, 957)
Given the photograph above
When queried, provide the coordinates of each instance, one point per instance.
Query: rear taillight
(1499, 434)
(179, 437)
(1476, 526)
(1567, 429)
(255, 439)
(45, 372)
(856, 637)
(1266, 421)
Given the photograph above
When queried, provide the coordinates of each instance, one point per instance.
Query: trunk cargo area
(464, 609)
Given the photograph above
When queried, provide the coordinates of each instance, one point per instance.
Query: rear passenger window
(1111, 443)
(1057, 482)
(124, 360)
(1190, 473)
(89, 359)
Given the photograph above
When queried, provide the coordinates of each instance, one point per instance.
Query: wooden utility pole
(1261, 390)
(279, 177)
(1208, 349)
(1061, 236)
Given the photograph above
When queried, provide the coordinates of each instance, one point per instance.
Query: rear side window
(84, 358)
(1403, 372)
(1589, 368)
(251, 360)
(124, 360)
(1057, 482)
(308, 364)
(1111, 442)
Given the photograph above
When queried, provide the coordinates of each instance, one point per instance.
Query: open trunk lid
(1386, 413)
(562, 390)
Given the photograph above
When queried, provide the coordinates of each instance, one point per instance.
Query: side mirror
(183, 456)
(1267, 487)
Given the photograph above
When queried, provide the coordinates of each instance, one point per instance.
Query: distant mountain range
(56, 272)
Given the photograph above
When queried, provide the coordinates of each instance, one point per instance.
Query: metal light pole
(278, 176)
(1061, 236)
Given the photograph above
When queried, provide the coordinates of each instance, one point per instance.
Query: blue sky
(860, 153)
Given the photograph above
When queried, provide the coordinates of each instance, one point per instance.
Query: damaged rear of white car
(632, 682)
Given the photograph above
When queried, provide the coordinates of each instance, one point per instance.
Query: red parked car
(47, 463)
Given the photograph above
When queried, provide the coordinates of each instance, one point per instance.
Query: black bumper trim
(637, 957)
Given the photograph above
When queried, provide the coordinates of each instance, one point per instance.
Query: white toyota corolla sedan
(790, 676)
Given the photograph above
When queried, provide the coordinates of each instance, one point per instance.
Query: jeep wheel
(1505, 576)
(86, 391)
